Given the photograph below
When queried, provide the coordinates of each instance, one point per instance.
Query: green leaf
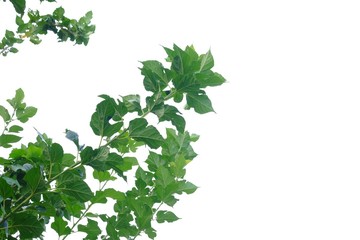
(187, 187)
(100, 120)
(60, 226)
(16, 102)
(150, 232)
(59, 13)
(15, 129)
(92, 229)
(163, 177)
(209, 79)
(207, 61)
(72, 185)
(35, 39)
(171, 113)
(68, 160)
(23, 115)
(13, 50)
(19, 21)
(200, 102)
(100, 196)
(176, 144)
(19, 6)
(101, 160)
(5, 189)
(155, 78)
(56, 153)
(139, 131)
(28, 225)
(4, 113)
(103, 176)
(34, 179)
(132, 103)
(6, 139)
(154, 161)
(166, 216)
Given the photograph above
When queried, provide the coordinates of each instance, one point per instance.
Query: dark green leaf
(165, 216)
(13, 50)
(139, 131)
(28, 225)
(171, 113)
(73, 186)
(101, 160)
(200, 102)
(19, 6)
(56, 153)
(34, 179)
(100, 120)
(5, 189)
(92, 229)
(4, 113)
(132, 103)
(155, 78)
(60, 226)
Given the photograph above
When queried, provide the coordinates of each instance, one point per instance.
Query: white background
(279, 159)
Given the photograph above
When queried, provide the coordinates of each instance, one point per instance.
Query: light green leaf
(23, 115)
(103, 176)
(4, 113)
(200, 102)
(7, 139)
(15, 129)
(166, 216)
(207, 61)
(16, 102)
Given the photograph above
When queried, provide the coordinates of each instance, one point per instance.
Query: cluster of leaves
(41, 184)
(77, 31)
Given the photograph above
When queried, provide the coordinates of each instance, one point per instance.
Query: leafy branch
(41, 184)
